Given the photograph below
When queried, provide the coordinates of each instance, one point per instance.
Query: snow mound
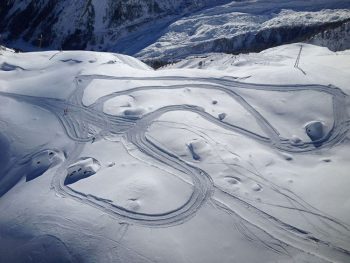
(81, 169)
(41, 162)
(315, 130)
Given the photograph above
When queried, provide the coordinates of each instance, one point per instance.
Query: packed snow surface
(218, 158)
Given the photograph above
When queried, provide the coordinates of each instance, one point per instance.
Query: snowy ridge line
(76, 121)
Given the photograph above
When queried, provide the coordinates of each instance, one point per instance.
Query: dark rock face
(29, 21)
(335, 39)
(270, 37)
(256, 41)
(74, 24)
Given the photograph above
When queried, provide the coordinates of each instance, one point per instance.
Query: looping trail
(79, 118)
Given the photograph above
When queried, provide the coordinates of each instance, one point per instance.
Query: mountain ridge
(161, 32)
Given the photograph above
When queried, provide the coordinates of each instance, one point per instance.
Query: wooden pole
(40, 40)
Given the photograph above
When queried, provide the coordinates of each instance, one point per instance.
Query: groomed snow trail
(328, 244)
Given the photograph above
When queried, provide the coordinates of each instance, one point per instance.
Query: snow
(53, 65)
(315, 130)
(202, 32)
(276, 106)
(167, 30)
(215, 158)
(335, 39)
(83, 168)
(140, 103)
(321, 65)
(140, 187)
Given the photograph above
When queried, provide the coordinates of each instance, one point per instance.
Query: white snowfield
(217, 158)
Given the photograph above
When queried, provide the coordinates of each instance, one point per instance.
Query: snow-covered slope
(162, 31)
(217, 159)
(278, 65)
(248, 26)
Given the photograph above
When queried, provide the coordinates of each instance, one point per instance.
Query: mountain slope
(165, 31)
(335, 39)
(79, 24)
(230, 30)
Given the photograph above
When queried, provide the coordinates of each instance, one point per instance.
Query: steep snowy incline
(107, 160)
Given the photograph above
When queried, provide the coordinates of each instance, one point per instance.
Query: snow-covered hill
(278, 65)
(215, 159)
(162, 31)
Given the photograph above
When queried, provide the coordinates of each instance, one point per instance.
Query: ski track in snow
(133, 130)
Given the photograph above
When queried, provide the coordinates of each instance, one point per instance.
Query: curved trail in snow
(230, 87)
(80, 118)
